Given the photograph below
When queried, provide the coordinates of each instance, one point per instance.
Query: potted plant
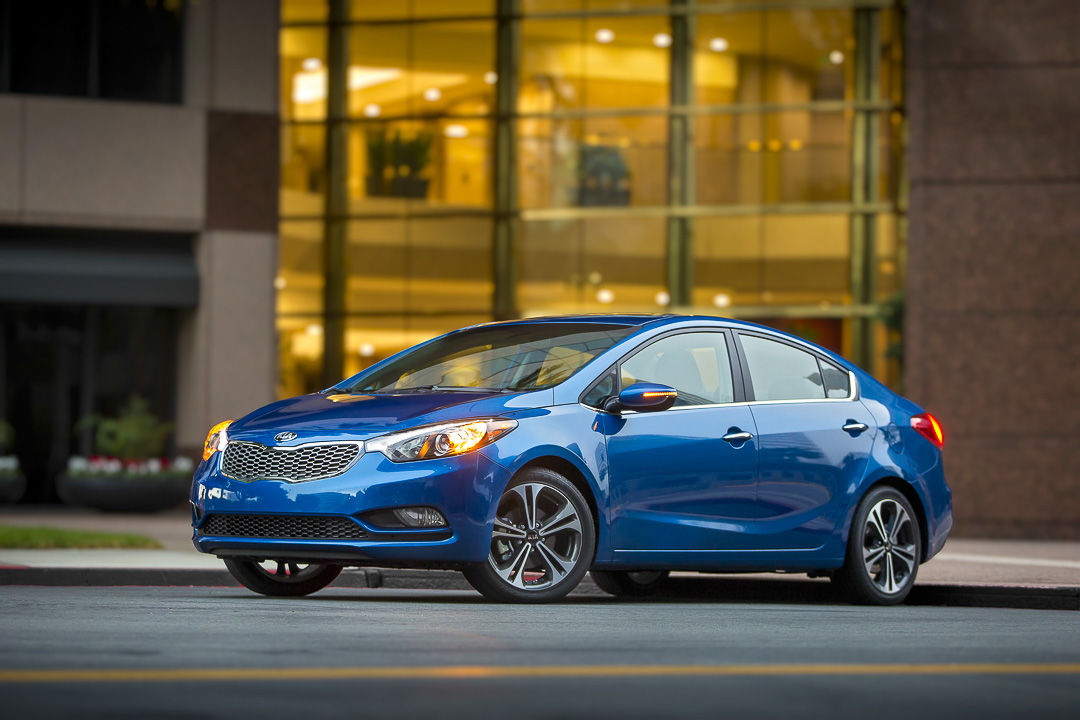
(128, 473)
(12, 482)
(378, 151)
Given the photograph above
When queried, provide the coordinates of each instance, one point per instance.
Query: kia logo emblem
(285, 436)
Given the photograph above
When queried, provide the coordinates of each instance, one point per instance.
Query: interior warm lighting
(661, 40)
(309, 86)
(432, 94)
(280, 283)
(795, 144)
(314, 329)
(367, 349)
(456, 131)
(361, 77)
(721, 300)
(491, 77)
(604, 35)
(753, 145)
(605, 296)
(775, 145)
(311, 64)
(836, 57)
(718, 44)
(663, 298)
(372, 110)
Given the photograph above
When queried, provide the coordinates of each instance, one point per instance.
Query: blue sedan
(528, 453)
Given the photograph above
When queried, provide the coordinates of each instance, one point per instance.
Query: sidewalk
(1011, 573)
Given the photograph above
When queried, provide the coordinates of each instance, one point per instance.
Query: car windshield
(527, 356)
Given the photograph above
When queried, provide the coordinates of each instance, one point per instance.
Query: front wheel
(883, 550)
(281, 578)
(542, 544)
(629, 584)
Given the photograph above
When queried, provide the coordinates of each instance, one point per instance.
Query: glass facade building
(448, 163)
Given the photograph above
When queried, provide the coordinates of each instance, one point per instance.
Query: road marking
(471, 672)
(1001, 560)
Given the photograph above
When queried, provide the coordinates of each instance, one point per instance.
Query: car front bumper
(465, 489)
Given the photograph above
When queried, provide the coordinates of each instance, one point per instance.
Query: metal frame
(867, 107)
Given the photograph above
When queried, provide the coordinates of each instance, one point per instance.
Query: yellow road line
(514, 671)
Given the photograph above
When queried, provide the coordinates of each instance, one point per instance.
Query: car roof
(632, 319)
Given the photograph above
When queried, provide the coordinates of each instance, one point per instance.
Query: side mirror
(643, 397)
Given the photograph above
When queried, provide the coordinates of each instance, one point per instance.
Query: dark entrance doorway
(60, 363)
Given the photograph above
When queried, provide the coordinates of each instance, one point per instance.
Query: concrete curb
(679, 589)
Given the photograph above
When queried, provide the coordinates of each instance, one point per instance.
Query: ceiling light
(491, 77)
(279, 283)
(456, 131)
(721, 300)
(367, 349)
(836, 57)
(432, 94)
(663, 298)
(372, 110)
(718, 44)
(661, 40)
(605, 296)
(311, 64)
(604, 35)
(314, 329)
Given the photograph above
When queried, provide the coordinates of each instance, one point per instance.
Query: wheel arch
(905, 488)
(573, 473)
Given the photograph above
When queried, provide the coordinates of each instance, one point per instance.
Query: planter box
(124, 493)
(12, 488)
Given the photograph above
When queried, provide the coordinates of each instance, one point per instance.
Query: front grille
(292, 527)
(249, 461)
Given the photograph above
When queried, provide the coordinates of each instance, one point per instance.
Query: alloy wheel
(889, 546)
(537, 538)
(287, 572)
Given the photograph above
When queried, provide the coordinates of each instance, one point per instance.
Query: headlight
(216, 439)
(436, 441)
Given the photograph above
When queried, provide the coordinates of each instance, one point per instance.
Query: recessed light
(836, 57)
(718, 44)
(432, 94)
(604, 35)
(491, 77)
(311, 64)
(661, 40)
(456, 131)
(372, 110)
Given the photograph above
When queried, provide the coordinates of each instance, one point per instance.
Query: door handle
(737, 437)
(855, 427)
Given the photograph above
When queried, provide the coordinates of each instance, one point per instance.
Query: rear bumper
(464, 489)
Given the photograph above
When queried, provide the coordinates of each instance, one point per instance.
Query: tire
(897, 547)
(546, 561)
(285, 580)
(629, 584)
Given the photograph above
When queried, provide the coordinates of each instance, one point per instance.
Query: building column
(680, 254)
(335, 240)
(504, 266)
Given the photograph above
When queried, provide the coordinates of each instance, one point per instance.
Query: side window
(781, 372)
(837, 380)
(601, 391)
(695, 364)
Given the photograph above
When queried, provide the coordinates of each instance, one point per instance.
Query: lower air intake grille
(293, 527)
(250, 461)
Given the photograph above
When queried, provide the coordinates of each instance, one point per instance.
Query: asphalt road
(222, 652)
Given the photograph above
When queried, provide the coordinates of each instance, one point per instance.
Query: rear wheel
(542, 543)
(883, 550)
(630, 584)
(282, 578)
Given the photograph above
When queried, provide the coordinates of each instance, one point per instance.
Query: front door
(676, 483)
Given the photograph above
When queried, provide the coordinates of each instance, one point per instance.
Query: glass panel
(595, 62)
(783, 56)
(591, 265)
(837, 381)
(453, 66)
(442, 8)
(781, 372)
(598, 161)
(695, 364)
(371, 339)
(300, 355)
(140, 51)
(303, 73)
(785, 157)
(379, 82)
(438, 164)
(303, 10)
(887, 255)
(300, 279)
(772, 260)
(303, 169)
(377, 257)
(449, 265)
(50, 47)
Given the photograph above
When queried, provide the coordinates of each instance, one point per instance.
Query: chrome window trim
(288, 448)
(853, 395)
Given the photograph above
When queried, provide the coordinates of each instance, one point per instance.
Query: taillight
(928, 426)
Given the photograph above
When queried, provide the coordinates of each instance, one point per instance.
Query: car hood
(360, 416)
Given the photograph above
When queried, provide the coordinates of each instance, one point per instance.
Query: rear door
(815, 438)
(676, 483)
